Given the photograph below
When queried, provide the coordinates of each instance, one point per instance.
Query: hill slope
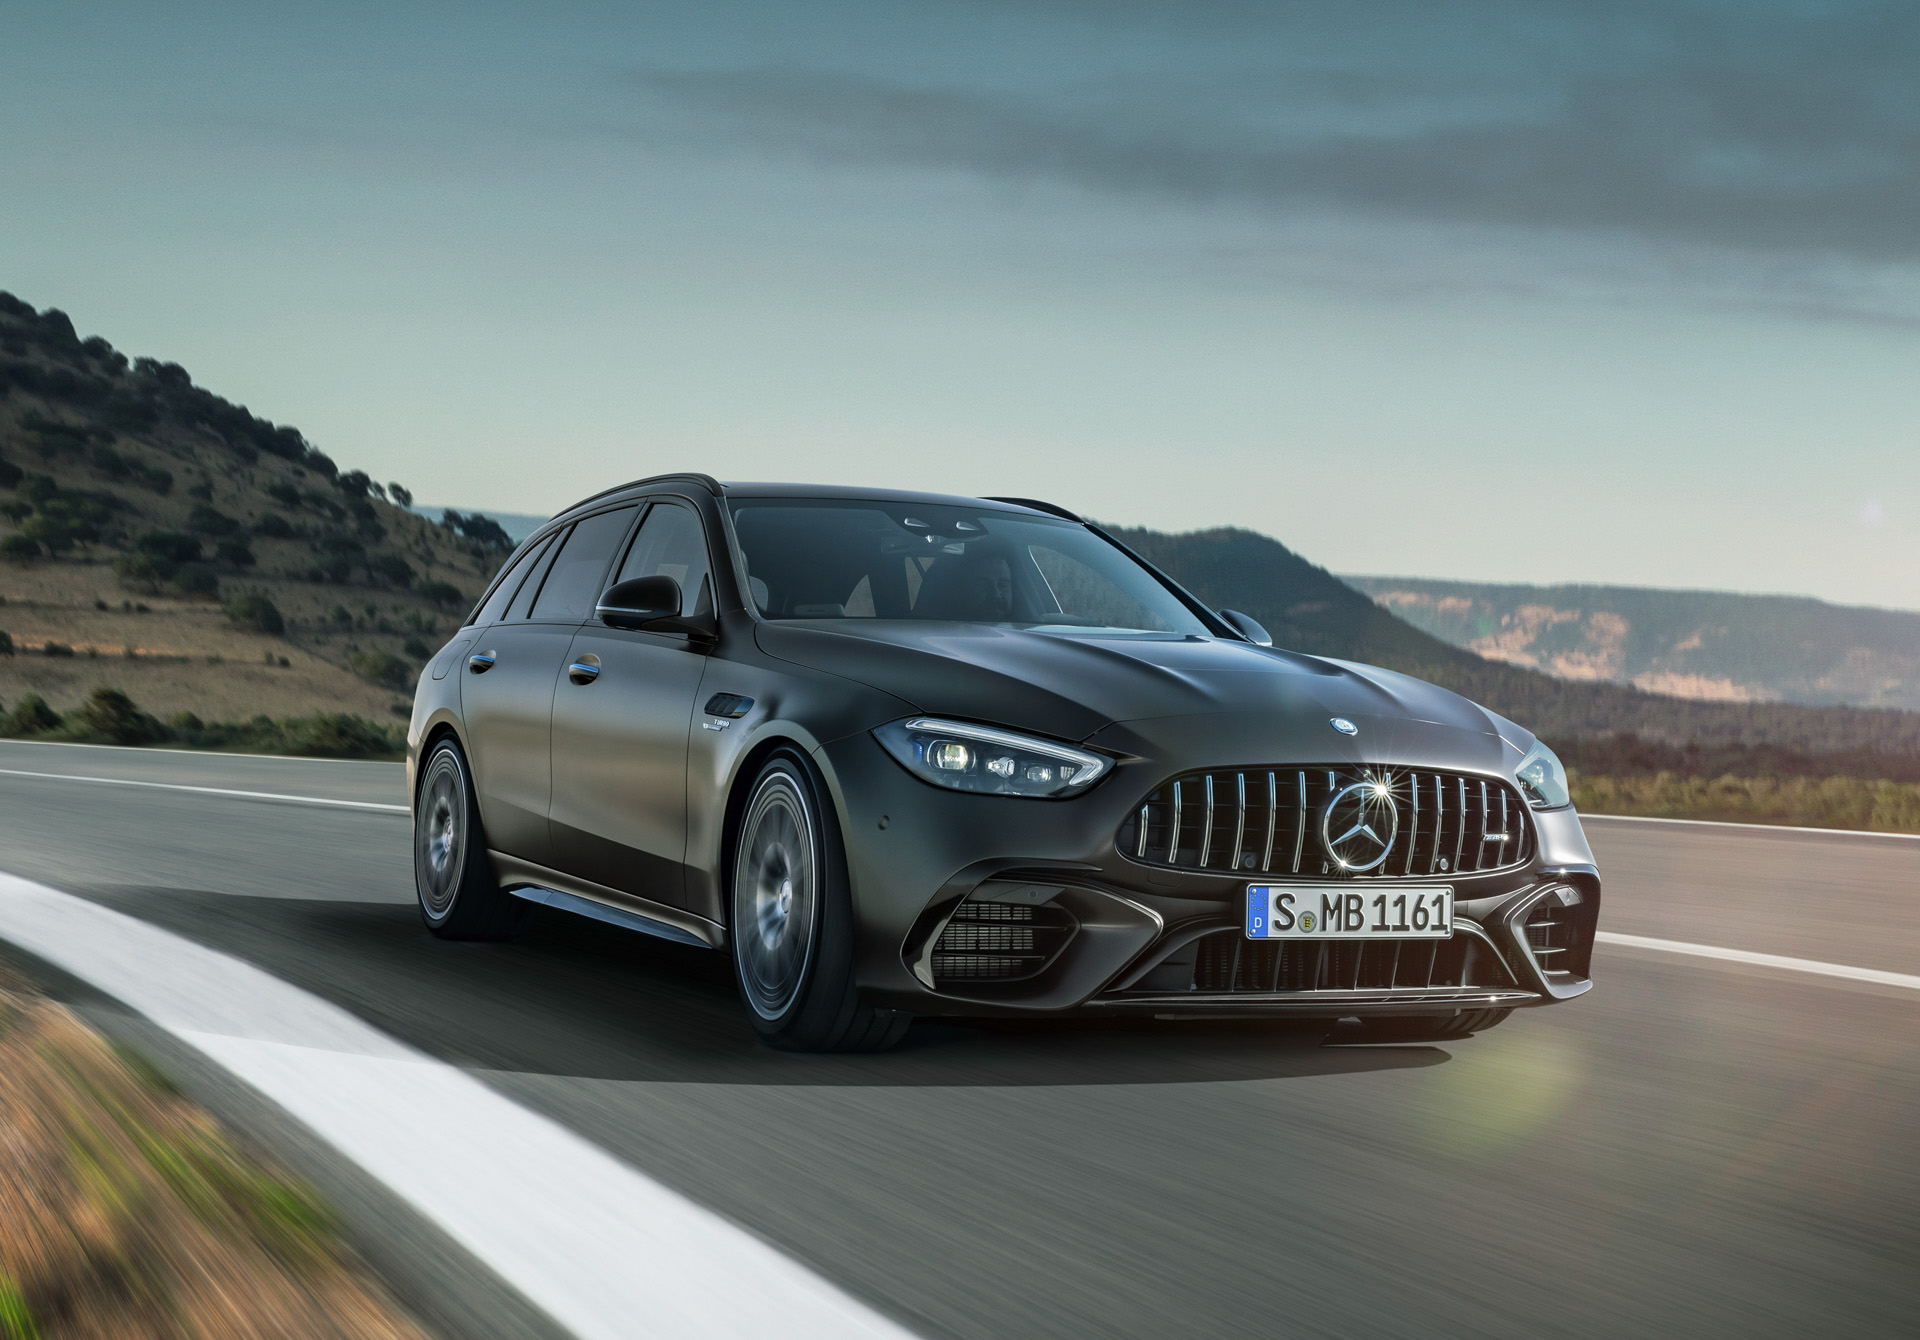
(1309, 609)
(158, 539)
(1696, 644)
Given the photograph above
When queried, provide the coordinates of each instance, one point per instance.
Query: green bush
(196, 581)
(9, 474)
(256, 613)
(442, 593)
(55, 649)
(143, 570)
(111, 715)
(275, 527)
(1808, 802)
(392, 568)
(6, 643)
(236, 551)
(30, 716)
(382, 668)
(208, 521)
(19, 549)
(417, 649)
(170, 546)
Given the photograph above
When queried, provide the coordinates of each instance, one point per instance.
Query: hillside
(1309, 609)
(1694, 644)
(158, 539)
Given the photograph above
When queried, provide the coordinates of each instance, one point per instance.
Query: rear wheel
(459, 897)
(792, 921)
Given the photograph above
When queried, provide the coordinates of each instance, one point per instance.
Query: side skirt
(538, 884)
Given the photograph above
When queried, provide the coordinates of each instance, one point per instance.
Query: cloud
(1768, 129)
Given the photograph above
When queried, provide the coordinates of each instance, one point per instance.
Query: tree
(403, 496)
(257, 614)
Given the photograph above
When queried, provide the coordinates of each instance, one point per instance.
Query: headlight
(1542, 779)
(966, 757)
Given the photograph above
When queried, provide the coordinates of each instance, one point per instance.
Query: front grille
(1267, 821)
(999, 942)
(1227, 961)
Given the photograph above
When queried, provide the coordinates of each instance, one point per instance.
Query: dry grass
(1805, 802)
(126, 1212)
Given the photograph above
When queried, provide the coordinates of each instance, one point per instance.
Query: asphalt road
(1694, 1148)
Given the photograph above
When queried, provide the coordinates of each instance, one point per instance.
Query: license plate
(1343, 912)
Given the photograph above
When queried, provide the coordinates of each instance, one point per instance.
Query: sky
(1550, 290)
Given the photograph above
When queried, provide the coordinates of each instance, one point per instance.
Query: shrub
(110, 714)
(10, 474)
(196, 581)
(235, 551)
(58, 649)
(30, 716)
(6, 643)
(210, 521)
(284, 494)
(382, 668)
(160, 481)
(392, 568)
(19, 549)
(275, 527)
(142, 570)
(185, 723)
(417, 649)
(441, 593)
(339, 736)
(169, 545)
(256, 613)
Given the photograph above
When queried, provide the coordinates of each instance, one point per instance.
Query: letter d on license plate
(1349, 912)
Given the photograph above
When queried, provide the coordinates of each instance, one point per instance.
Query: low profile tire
(1428, 1028)
(459, 897)
(791, 926)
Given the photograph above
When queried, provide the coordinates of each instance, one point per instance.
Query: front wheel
(791, 924)
(459, 897)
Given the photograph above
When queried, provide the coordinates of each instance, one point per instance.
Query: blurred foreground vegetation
(111, 717)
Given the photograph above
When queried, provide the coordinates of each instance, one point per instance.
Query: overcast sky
(1530, 291)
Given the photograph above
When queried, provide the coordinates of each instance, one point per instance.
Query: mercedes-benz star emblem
(1358, 824)
(1344, 726)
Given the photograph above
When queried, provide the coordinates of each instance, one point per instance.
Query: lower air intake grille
(999, 942)
(1560, 932)
(1227, 961)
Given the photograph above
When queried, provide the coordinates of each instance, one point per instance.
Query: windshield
(817, 558)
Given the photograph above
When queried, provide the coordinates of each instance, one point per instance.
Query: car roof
(754, 489)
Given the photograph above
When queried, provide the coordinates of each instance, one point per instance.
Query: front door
(619, 814)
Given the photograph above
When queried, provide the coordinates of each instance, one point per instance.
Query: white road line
(213, 791)
(1750, 828)
(1780, 961)
(604, 1249)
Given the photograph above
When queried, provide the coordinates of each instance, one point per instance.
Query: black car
(903, 754)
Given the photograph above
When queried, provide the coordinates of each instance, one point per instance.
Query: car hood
(1076, 687)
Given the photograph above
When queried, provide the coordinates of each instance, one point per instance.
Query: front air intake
(999, 942)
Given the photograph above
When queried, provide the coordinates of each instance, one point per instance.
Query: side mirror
(1247, 628)
(650, 605)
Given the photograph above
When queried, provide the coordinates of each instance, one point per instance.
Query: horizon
(1568, 297)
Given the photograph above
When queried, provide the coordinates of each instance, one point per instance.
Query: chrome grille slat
(1450, 823)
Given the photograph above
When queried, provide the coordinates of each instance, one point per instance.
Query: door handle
(582, 673)
(480, 662)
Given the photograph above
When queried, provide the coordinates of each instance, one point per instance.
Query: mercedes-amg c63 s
(903, 754)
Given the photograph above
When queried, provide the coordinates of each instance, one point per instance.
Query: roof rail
(707, 482)
(1052, 509)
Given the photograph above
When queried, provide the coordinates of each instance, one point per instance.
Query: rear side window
(573, 583)
(496, 607)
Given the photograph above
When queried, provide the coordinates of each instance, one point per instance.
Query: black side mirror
(649, 605)
(1247, 628)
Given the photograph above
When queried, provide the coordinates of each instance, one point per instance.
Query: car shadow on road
(574, 998)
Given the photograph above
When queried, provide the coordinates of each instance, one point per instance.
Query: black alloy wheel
(791, 925)
(459, 897)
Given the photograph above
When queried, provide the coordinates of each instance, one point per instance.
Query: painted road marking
(213, 791)
(602, 1248)
(1748, 956)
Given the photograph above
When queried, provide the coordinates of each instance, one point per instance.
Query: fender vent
(1000, 942)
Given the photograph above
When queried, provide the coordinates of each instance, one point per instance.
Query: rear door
(619, 814)
(507, 692)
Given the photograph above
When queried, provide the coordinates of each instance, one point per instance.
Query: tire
(452, 879)
(791, 920)
(1425, 1028)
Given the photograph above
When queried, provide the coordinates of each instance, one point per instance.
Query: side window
(573, 582)
(672, 543)
(496, 607)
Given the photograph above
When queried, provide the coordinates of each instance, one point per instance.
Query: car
(906, 754)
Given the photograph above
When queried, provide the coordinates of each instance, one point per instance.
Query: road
(1695, 1147)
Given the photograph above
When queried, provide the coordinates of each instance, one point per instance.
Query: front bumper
(934, 870)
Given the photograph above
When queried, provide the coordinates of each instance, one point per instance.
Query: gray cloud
(1732, 126)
